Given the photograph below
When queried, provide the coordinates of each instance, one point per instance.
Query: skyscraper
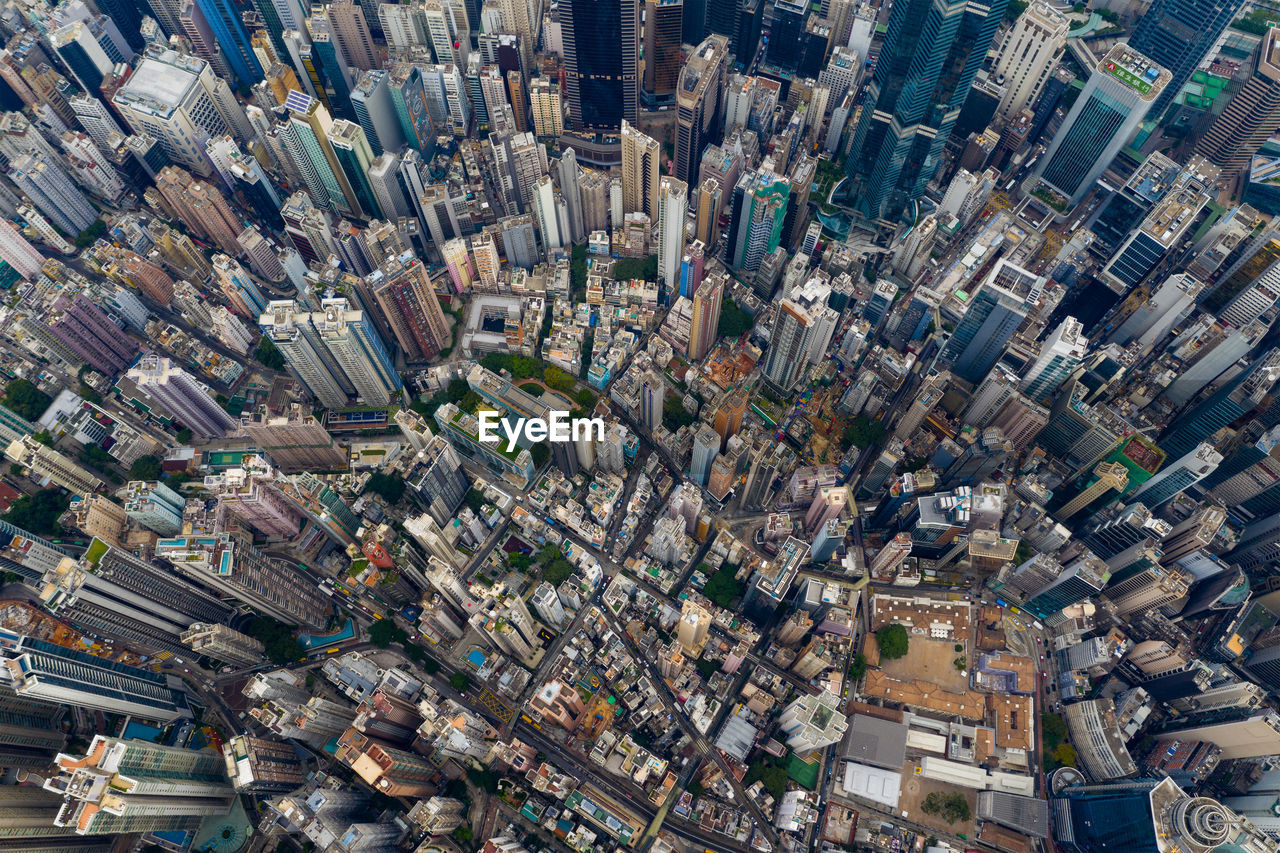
(698, 112)
(182, 396)
(653, 392)
(1107, 477)
(123, 786)
(1027, 56)
(1177, 34)
(1178, 475)
(706, 315)
(1060, 353)
(785, 359)
(356, 348)
(911, 106)
(1142, 816)
(994, 314)
(41, 670)
(706, 444)
(673, 204)
(662, 39)
(640, 172)
(601, 57)
(1122, 89)
(408, 298)
(308, 131)
(1251, 116)
(289, 327)
(756, 216)
(52, 191)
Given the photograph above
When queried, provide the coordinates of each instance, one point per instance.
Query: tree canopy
(25, 399)
(267, 354)
(146, 468)
(39, 513)
(722, 587)
(893, 641)
(733, 320)
(950, 807)
(281, 644)
(390, 486)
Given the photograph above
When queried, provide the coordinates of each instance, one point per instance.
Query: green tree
(772, 774)
(540, 453)
(1014, 10)
(674, 415)
(39, 513)
(281, 645)
(474, 499)
(558, 380)
(183, 436)
(90, 235)
(585, 398)
(44, 438)
(893, 641)
(146, 468)
(268, 355)
(459, 681)
(390, 486)
(384, 632)
(858, 667)
(695, 788)
(626, 269)
(95, 456)
(722, 587)
(863, 432)
(557, 572)
(733, 320)
(25, 399)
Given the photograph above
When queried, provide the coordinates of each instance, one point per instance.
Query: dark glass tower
(931, 54)
(601, 57)
(1177, 34)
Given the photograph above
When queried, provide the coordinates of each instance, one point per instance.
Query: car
(1038, 640)
(1042, 658)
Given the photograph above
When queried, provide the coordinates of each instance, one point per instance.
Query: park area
(929, 660)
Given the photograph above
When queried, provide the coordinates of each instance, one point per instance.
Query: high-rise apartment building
(641, 172)
(672, 207)
(408, 298)
(705, 318)
(182, 396)
(83, 327)
(52, 191)
(46, 463)
(1121, 90)
(786, 358)
(224, 644)
(234, 567)
(41, 670)
(911, 106)
(123, 786)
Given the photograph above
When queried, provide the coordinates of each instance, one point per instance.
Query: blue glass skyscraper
(922, 78)
(225, 21)
(1177, 34)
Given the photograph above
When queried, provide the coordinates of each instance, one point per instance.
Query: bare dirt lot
(929, 660)
(916, 788)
